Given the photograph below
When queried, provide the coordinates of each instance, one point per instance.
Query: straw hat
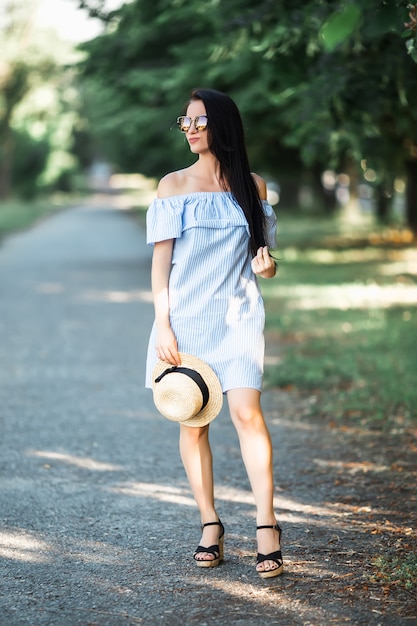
(190, 393)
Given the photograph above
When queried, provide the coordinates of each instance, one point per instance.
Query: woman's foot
(210, 551)
(269, 559)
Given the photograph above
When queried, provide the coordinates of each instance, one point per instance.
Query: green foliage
(328, 79)
(134, 91)
(339, 26)
(410, 32)
(146, 82)
(394, 570)
(17, 214)
(28, 164)
(33, 87)
(360, 101)
(321, 84)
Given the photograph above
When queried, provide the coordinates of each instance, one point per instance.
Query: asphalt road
(97, 521)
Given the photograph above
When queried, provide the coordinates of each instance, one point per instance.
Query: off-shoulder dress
(216, 308)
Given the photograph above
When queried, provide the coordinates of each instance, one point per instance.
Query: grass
(397, 571)
(343, 315)
(16, 214)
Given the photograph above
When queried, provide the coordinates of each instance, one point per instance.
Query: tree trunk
(6, 156)
(289, 193)
(411, 195)
(383, 203)
(326, 196)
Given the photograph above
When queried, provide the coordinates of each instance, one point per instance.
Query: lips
(193, 139)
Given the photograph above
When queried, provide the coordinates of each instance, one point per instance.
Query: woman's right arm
(166, 343)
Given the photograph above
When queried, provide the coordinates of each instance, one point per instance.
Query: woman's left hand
(263, 264)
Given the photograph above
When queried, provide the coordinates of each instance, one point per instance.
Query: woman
(211, 227)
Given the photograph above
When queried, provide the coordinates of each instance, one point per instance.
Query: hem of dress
(254, 387)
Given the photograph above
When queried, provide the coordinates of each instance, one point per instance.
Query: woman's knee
(244, 406)
(246, 417)
(193, 434)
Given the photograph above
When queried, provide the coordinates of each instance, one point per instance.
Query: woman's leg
(256, 448)
(198, 464)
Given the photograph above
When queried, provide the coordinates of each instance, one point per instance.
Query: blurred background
(89, 94)
(327, 90)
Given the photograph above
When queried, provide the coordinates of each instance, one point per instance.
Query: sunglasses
(184, 123)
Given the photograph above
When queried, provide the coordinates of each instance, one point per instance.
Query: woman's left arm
(263, 264)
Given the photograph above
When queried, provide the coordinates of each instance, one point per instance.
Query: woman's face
(197, 139)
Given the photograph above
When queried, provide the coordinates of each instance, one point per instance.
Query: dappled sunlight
(133, 181)
(163, 493)
(329, 256)
(345, 296)
(363, 516)
(293, 424)
(375, 527)
(70, 459)
(125, 201)
(284, 503)
(281, 502)
(124, 192)
(313, 569)
(272, 592)
(367, 289)
(182, 496)
(401, 267)
(352, 467)
(20, 545)
(121, 297)
(132, 190)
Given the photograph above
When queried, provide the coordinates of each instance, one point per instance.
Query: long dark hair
(227, 143)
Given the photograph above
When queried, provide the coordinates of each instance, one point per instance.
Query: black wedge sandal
(216, 550)
(273, 556)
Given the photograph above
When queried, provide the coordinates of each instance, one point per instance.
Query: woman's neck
(208, 168)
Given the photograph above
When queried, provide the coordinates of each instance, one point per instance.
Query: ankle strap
(276, 527)
(212, 524)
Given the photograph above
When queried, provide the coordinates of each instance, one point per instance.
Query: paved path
(97, 520)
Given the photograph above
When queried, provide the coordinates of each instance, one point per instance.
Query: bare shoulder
(173, 184)
(261, 184)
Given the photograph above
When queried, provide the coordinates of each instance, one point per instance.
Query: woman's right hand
(166, 346)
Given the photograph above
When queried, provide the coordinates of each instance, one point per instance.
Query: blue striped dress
(216, 309)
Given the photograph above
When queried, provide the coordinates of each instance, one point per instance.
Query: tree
(14, 84)
(362, 98)
(349, 98)
(22, 66)
(329, 83)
